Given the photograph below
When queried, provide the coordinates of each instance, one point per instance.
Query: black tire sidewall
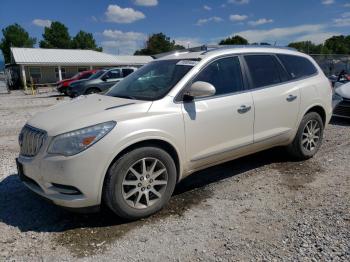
(113, 189)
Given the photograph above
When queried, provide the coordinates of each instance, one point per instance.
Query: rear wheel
(92, 91)
(140, 183)
(308, 139)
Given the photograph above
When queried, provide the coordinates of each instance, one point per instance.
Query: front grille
(31, 140)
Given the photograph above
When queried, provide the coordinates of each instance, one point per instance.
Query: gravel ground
(261, 207)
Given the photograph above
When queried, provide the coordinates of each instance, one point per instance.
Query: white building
(51, 65)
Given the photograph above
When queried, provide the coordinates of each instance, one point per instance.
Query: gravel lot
(261, 207)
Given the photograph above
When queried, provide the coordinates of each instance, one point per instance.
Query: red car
(62, 85)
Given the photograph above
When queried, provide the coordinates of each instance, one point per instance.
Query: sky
(122, 26)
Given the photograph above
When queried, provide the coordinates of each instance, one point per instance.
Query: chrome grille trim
(31, 140)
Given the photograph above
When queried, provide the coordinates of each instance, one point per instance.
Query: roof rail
(209, 48)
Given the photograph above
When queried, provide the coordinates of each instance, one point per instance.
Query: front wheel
(309, 137)
(140, 183)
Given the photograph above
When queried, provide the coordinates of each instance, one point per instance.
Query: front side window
(264, 70)
(152, 81)
(297, 66)
(127, 71)
(224, 74)
(113, 74)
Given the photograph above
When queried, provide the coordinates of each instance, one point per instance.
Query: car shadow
(21, 208)
(339, 121)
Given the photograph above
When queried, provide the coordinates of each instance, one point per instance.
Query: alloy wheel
(311, 135)
(144, 183)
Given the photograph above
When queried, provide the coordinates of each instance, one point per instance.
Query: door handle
(243, 109)
(291, 98)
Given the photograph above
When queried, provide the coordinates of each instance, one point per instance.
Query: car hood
(343, 90)
(88, 110)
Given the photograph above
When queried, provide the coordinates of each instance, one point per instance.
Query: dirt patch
(93, 233)
(296, 175)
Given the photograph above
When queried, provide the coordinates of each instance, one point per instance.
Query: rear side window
(265, 70)
(127, 71)
(224, 74)
(297, 66)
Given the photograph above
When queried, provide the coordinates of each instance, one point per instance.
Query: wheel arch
(318, 109)
(155, 142)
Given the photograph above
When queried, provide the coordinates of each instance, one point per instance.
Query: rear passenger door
(219, 126)
(276, 99)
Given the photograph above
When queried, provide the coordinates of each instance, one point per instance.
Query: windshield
(152, 81)
(97, 74)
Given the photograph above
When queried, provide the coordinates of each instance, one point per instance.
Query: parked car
(174, 116)
(341, 101)
(62, 85)
(99, 82)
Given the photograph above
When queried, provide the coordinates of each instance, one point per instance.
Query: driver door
(218, 127)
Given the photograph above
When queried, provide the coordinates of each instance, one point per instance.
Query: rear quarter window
(297, 66)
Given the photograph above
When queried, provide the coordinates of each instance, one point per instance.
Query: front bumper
(71, 182)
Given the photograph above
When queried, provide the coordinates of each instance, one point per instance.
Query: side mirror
(200, 89)
(104, 78)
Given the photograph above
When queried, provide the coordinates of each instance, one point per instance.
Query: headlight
(76, 141)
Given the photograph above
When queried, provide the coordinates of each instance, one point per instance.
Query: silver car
(174, 116)
(99, 82)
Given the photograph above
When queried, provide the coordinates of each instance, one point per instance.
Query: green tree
(234, 40)
(14, 36)
(56, 36)
(158, 43)
(84, 40)
(338, 45)
(306, 47)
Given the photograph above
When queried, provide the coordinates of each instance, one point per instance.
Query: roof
(224, 50)
(42, 56)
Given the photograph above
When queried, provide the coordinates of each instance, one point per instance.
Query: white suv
(174, 116)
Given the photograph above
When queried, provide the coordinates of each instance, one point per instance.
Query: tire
(301, 150)
(121, 182)
(93, 90)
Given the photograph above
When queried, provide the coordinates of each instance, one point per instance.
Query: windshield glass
(152, 81)
(97, 74)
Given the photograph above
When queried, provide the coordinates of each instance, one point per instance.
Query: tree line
(57, 36)
(54, 36)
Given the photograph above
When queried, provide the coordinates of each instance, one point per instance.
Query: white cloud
(206, 7)
(238, 18)
(188, 41)
(260, 21)
(281, 33)
(120, 15)
(94, 18)
(239, 2)
(339, 22)
(328, 2)
(346, 14)
(214, 19)
(124, 43)
(317, 38)
(42, 22)
(347, 5)
(146, 2)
